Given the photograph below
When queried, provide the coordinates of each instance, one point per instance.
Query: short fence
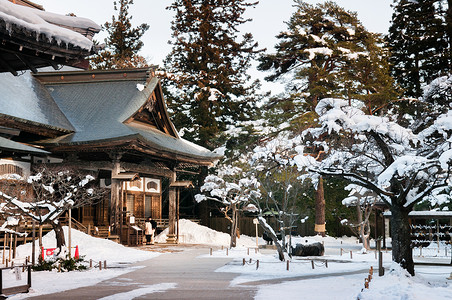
(434, 250)
(16, 289)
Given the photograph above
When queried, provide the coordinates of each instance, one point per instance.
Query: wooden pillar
(115, 196)
(33, 243)
(121, 212)
(172, 239)
(69, 236)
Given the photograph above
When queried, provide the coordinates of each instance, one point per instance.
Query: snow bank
(93, 248)
(193, 233)
(398, 284)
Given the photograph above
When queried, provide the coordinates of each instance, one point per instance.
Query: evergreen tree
(327, 52)
(123, 42)
(207, 87)
(419, 43)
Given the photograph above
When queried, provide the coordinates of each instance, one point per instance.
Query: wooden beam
(7, 66)
(143, 168)
(26, 62)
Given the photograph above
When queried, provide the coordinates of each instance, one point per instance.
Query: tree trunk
(320, 209)
(362, 227)
(270, 233)
(401, 238)
(59, 235)
(234, 227)
(449, 27)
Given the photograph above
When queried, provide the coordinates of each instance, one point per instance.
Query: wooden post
(177, 213)
(90, 263)
(4, 248)
(121, 211)
(210, 251)
(287, 265)
(257, 264)
(115, 189)
(33, 242)
(15, 244)
(351, 254)
(227, 251)
(69, 237)
(40, 236)
(10, 245)
(100, 265)
(172, 216)
(312, 264)
(105, 264)
(28, 276)
(381, 270)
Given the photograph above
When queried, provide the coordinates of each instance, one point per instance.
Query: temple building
(113, 123)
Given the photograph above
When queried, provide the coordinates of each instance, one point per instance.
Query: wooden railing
(74, 224)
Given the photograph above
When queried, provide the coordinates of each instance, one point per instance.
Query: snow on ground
(193, 233)
(97, 249)
(342, 279)
(91, 247)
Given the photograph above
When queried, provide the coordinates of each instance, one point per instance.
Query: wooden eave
(25, 50)
(143, 74)
(27, 3)
(128, 143)
(32, 127)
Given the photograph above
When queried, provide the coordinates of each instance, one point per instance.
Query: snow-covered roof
(12, 146)
(426, 214)
(102, 107)
(33, 38)
(48, 24)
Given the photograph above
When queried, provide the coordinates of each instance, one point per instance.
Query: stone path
(194, 278)
(178, 275)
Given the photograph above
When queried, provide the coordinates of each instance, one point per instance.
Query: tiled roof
(23, 98)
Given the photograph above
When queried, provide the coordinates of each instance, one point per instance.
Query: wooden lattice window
(136, 183)
(11, 169)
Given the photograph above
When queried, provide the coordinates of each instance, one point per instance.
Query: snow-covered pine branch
(375, 152)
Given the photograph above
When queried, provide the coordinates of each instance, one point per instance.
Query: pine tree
(207, 84)
(327, 52)
(419, 43)
(123, 42)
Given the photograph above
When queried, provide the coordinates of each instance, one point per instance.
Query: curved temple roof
(121, 107)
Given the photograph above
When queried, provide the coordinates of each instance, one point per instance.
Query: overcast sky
(268, 19)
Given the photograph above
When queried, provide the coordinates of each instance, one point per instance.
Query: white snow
(342, 279)
(193, 233)
(43, 22)
(97, 249)
(93, 248)
(140, 87)
(155, 288)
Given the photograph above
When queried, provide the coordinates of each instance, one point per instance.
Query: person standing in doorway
(149, 232)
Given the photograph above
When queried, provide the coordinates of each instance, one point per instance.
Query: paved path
(182, 275)
(194, 278)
